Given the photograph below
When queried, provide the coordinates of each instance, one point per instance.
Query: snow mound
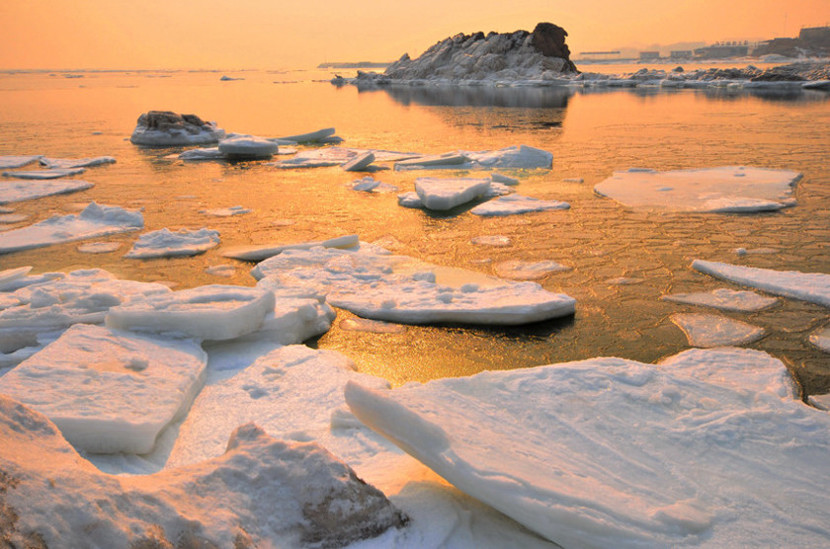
(45, 174)
(94, 221)
(446, 194)
(260, 493)
(725, 299)
(704, 330)
(16, 191)
(170, 129)
(718, 190)
(69, 163)
(97, 386)
(615, 453)
(813, 287)
(167, 243)
(215, 312)
(517, 204)
(247, 147)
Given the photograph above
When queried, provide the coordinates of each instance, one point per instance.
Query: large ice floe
(517, 204)
(725, 299)
(107, 391)
(94, 221)
(708, 449)
(374, 284)
(167, 243)
(813, 287)
(703, 330)
(718, 190)
(170, 129)
(260, 492)
(17, 191)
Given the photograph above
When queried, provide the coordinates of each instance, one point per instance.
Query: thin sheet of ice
(371, 185)
(45, 174)
(68, 163)
(167, 243)
(394, 288)
(821, 339)
(446, 194)
(227, 212)
(358, 324)
(516, 269)
(310, 137)
(96, 385)
(12, 162)
(98, 247)
(244, 147)
(704, 330)
(17, 191)
(813, 287)
(264, 251)
(94, 221)
(723, 189)
(521, 157)
(214, 312)
(496, 240)
(615, 453)
(226, 271)
(725, 299)
(260, 492)
(517, 204)
(335, 156)
(8, 219)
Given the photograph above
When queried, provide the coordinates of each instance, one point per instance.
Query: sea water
(590, 133)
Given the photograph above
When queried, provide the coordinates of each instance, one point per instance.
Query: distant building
(678, 55)
(649, 55)
(722, 51)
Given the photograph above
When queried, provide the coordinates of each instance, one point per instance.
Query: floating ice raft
(718, 190)
(725, 299)
(517, 204)
(264, 251)
(167, 243)
(17, 191)
(704, 330)
(446, 194)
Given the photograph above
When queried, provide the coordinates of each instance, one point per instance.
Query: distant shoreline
(355, 65)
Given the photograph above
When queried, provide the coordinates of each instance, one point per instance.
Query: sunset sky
(279, 34)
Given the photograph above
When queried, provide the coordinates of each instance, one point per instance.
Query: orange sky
(270, 34)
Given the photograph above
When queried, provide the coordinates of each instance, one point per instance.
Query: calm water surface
(590, 134)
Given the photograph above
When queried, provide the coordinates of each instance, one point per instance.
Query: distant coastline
(355, 65)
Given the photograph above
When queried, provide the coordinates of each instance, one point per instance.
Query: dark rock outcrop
(549, 40)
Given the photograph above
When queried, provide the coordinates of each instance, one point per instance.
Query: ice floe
(813, 287)
(69, 163)
(517, 204)
(214, 312)
(94, 221)
(521, 157)
(310, 137)
(704, 330)
(264, 251)
(821, 339)
(221, 270)
(260, 492)
(211, 153)
(369, 184)
(167, 243)
(360, 162)
(109, 392)
(45, 174)
(99, 247)
(503, 179)
(227, 212)
(516, 269)
(12, 162)
(374, 284)
(446, 194)
(247, 147)
(17, 191)
(615, 453)
(725, 299)
(724, 189)
(170, 129)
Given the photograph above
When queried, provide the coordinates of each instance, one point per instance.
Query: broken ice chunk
(16, 191)
(166, 243)
(445, 194)
(515, 269)
(725, 299)
(67, 163)
(359, 163)
(704, 330)
(12, 162)
(517, 204)
(247, 147)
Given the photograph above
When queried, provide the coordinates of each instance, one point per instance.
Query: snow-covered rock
(45, 174)
(725, 299)
(68, 163)
(214, 312)
(167, 243)
(17, 191)
(264, 251)
(703, 330)
(813, 287)
(718, 190)
(247, 147)
(170, 129)
(260, 493)
(109, 392)
(615, 453)
(446, 194)
(517, 204)
(94, 221)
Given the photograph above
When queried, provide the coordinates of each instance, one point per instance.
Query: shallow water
(591, 134)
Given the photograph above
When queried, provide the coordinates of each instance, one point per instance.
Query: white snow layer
(724, 189)
(374, 284)
(260, 492)
(45, 174)
(725, 299)
(167, 243)
(813, 287)
(446, 194)
(704, 330)
(17, 191)
(215, 312)
(106, 391)
(94, 221)
(709, 449)
(517, 204)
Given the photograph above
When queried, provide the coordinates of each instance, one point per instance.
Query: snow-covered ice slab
(167, 243)
(517, 204)
(374, 284)
(704, 330)
(17, 191)
(720, 190)
(227, 212)
(521, 157)
(247, 147)
(12, 162)
(434, 161)
(260, 492)
(813, 287)
(109, 392)
(45, 174)
(260, 252)
(725, 299)
(319, 158)
(821, 339)
(615, 453)
(446, 194)
(68, 163)
(214, 312)
(94, 221)
(516, 269)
